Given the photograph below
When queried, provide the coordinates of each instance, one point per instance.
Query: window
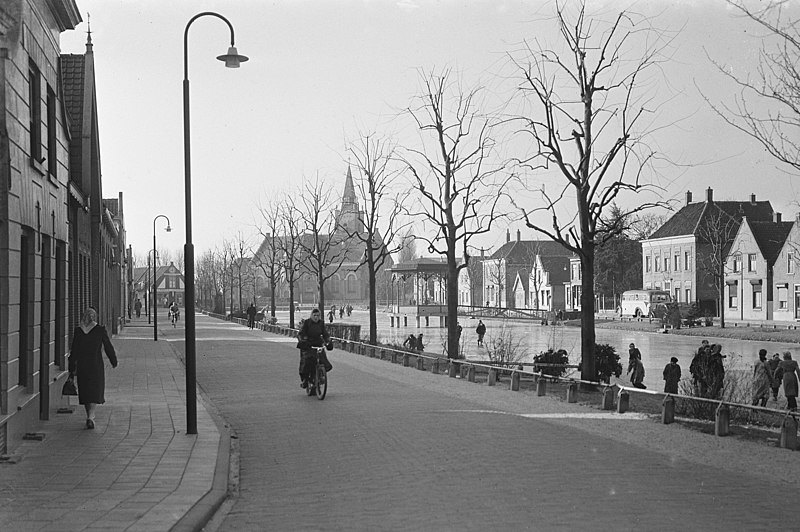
(756, 296)
(751, 262)
(737, 263)
(783, 297)
(688, 293)
(677, 294)
(35, 99)
(657, 261)
(790, 263)
(686, 261)
(52, 148)
(733, 293)
(666, 263)
(647, 265)
(676, 263)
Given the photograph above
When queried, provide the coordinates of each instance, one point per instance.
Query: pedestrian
(460, 328)
(776, 381)
(410, 342)
(251, 315)
(138, 307)
(715, 371)
(762, 379)
(331, 313)
(633, 352)
(89, 340)
(341, 312)
(788, 369)
(672, 375)
(636, 371)
(174, 313)
(481, 330)
(698, 369)
(349, 309)
(420, 345)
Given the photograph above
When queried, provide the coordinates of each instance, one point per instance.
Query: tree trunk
(321, 285)
(291, 301)
(452, 303)
(373, 311)
(721, 285)
(588, 371)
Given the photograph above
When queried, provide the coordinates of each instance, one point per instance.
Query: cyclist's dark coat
(314, 333)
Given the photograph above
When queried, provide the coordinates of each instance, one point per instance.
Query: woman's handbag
(69, 388)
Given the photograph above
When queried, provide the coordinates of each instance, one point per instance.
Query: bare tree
(475, 271)
(454, 172)
(767, 107)
(379, 223)
(495, 275)
(586, 99)
(715, 236)
(289, 249)
(241, 251)
(408, 251)
(267, 257)
(324, 250)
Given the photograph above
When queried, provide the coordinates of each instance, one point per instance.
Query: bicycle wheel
(322, 382)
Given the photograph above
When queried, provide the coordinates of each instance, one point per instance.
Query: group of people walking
(768, 375)
(342, 310)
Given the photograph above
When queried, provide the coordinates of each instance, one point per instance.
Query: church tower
(349, 216)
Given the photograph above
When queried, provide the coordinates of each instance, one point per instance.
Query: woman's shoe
(89, 424)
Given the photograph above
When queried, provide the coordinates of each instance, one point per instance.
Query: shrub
(552, 356)
(606, 362)
(504, 348)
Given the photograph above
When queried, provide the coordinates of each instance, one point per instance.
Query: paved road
(393, 448)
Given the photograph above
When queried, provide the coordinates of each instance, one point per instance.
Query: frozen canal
(656, 348)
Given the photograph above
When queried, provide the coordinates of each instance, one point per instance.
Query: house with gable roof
(515, 260)
(678, 256)
(543, 285)
(786, 277)
(749, 268)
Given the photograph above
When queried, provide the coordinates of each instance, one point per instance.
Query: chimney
(709, 195)
(518, 235)
(508, 235)
(483, 253)
(753, 199)
(776, 217)
(688, 197)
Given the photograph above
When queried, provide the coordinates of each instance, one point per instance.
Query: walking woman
(86, 361)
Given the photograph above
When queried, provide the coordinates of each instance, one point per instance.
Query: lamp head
(232, 59)
(169, 228)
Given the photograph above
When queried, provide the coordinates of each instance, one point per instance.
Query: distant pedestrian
(420, 345)
(349, 309)
(138, 307)
(715, 372)
(481, 330)
(341, 312)
(86, 362)
(697, 369)
(251, 315)
(633, 352)
(774, 379)
(788, 369)
(411, 342)
(331, 313)
(672, 375)
(762, 379)
(636, 371)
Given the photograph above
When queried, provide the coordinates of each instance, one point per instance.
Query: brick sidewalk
(137, 470)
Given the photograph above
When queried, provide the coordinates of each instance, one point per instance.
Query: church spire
(88, 33)
(349, 195)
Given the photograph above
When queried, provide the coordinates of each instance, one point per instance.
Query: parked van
(642, 303)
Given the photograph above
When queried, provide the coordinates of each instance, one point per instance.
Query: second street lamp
(155, 276)
(232, 60)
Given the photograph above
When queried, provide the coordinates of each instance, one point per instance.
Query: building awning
(731, 283)
(755, 281)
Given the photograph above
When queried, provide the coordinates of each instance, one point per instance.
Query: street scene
(398, 265)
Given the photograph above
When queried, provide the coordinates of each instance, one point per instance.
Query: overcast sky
(321, 69)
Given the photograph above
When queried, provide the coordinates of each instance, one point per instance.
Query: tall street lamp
(232, 59)
(148, 306)
(155, 275)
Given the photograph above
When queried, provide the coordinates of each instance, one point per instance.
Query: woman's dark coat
(86, 361)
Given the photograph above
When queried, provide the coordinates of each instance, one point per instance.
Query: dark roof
(72, 83)
(770, 237)
(687, 220)
(523, 251)
(557, 267)
(422, 264)
(140, 273)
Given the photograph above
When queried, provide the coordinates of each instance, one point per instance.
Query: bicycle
(318, 383)
(174, 315)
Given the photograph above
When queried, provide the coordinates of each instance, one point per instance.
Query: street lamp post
(232, 59)
(148, 306)
(155, 277)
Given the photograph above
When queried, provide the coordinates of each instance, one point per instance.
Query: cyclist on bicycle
(312, 334)
(174, 312)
